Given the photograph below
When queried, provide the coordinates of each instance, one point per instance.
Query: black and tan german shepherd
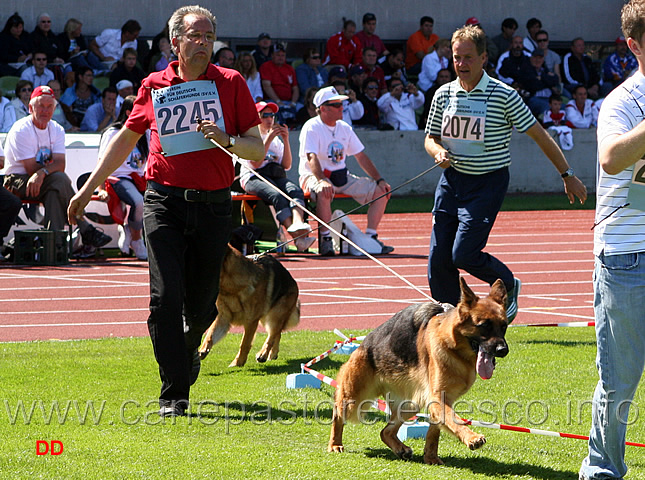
(423, 359)
(252, 292)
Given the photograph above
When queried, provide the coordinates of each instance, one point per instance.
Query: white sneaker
(297, 229)
(124, 239)
(139, 249)
(303, 243)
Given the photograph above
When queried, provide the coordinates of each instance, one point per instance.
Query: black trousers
(9, 208)
(186, 244)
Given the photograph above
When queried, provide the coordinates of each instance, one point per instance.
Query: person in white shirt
(433, 62)
(399, 106)
(325, 142)
(38, 74)
(352, 108)
(581, 112)
(108, 46)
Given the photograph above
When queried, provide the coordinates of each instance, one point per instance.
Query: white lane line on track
(65, 299)
(60, 312)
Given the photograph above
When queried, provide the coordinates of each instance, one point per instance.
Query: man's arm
(368, 167)
(573, 187)
(38, 172)
(270, 92)
(437, 151)
(117, 151)
(618, 152)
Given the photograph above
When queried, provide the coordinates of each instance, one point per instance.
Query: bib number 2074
(462, 127)
(183, 117)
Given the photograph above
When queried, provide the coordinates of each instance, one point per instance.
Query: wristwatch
(568, 173)
(231, 142)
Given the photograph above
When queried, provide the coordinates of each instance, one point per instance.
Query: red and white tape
(569, 324)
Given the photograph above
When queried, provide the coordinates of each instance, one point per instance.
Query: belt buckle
(191, 195)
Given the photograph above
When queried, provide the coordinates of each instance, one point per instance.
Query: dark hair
(21, 84)
(632, 19)
(426, 19)
(13, 21)
(555, 96)
(347, 22)
(391, 80)
(509, 22)
(80, 71)
(131, 26)
(308, 53)
(369, 80)
(109, 90)
(543, 32)
(532, 22)
(368, 17)
(222, 50)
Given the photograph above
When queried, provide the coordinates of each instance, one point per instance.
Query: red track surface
(551, 252)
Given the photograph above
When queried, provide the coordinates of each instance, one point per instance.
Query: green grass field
(246, 424)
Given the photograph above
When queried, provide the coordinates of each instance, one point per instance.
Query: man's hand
(213, 132)
(382, 188)
(574, 187)
(442, 158)
(34, 183)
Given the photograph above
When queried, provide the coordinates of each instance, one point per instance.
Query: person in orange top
(419, 44)
(344, 48)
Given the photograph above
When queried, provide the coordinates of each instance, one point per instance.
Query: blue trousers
(282, 206)
(465, 210)
(130, 195)
(186, 244)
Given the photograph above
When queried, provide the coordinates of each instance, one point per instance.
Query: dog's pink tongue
(485, 365)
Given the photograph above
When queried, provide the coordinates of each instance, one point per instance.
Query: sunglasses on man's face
(268, 115)
(315, 57)
(334, 105)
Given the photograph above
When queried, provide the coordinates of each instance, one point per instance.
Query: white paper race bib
(177, 110)
(462, 126)
(636, 194)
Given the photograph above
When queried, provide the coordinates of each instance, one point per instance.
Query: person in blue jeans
(277, 160)
(619, 271)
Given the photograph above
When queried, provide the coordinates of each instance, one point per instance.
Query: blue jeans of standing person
(465, 210)
(619, 306)
(186, 244)
(128, 193)
(282, 206)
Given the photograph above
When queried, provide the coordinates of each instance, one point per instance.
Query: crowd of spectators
(389, 86)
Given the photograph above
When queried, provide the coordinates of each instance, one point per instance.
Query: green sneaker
(511, 300)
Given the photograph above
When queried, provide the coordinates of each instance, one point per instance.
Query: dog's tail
(294, 318)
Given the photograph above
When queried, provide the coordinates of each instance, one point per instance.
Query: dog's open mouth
(485, 361)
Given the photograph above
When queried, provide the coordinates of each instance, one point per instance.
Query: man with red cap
(35, 154)
(618, 66)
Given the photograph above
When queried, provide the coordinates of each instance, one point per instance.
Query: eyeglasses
(315, 57)
(196, 37)
(40, 59)
(542, 40)
(334, 105)
(372, 87)
(268, 115)
(45, 21)
(26, 89)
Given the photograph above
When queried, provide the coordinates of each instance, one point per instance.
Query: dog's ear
(498, 292)
(468, 298)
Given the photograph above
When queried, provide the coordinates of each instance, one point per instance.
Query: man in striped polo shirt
(468, 132)
(619, 249)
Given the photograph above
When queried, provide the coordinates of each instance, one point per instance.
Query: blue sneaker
(511, 300)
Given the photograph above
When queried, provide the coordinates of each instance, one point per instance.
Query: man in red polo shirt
(187, 209)
(280, 84)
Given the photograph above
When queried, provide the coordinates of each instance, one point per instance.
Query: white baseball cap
(124, 84)
(327, 94)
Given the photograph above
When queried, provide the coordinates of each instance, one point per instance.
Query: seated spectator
(102, 114)
(399, 106)
(7, 114)
(512, 62)
(554, 116)
(245, 64)
(337, 73)
(352, 108)
(155, 50)
(538, 82)
(357, 76)
(38, 74)
(503, 40)
(35, 154)
(225, 57)
(72, 46)
(369, 63)
(371, 118)
(618, 66)
(344, 48)
(16, 45)
(308, 109)
(581, 112)
(272, 167)
(393, 66)
(551, 59)
(20, 102)
(160, 60)
(491, 48)
(263, 50)
(126, 185)
(280, 84)
(44, 40)
(433, 62)
(579, 70)
(419, 44)
(325, 143)
(109, 45)
(310, 73)
(82, 94)
(123, 88)
(63, 115)
(127, 69)
(443, 76)
(10, 206)
(533, 26)
(368, 38)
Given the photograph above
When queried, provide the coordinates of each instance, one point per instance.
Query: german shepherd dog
(423, 358)
(252, 292)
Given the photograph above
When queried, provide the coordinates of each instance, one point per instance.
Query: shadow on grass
(273, 367)
(562, 343)
(482, 465)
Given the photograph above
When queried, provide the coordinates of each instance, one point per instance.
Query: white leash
(236, 159)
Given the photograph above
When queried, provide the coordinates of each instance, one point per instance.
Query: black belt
(192, 195)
